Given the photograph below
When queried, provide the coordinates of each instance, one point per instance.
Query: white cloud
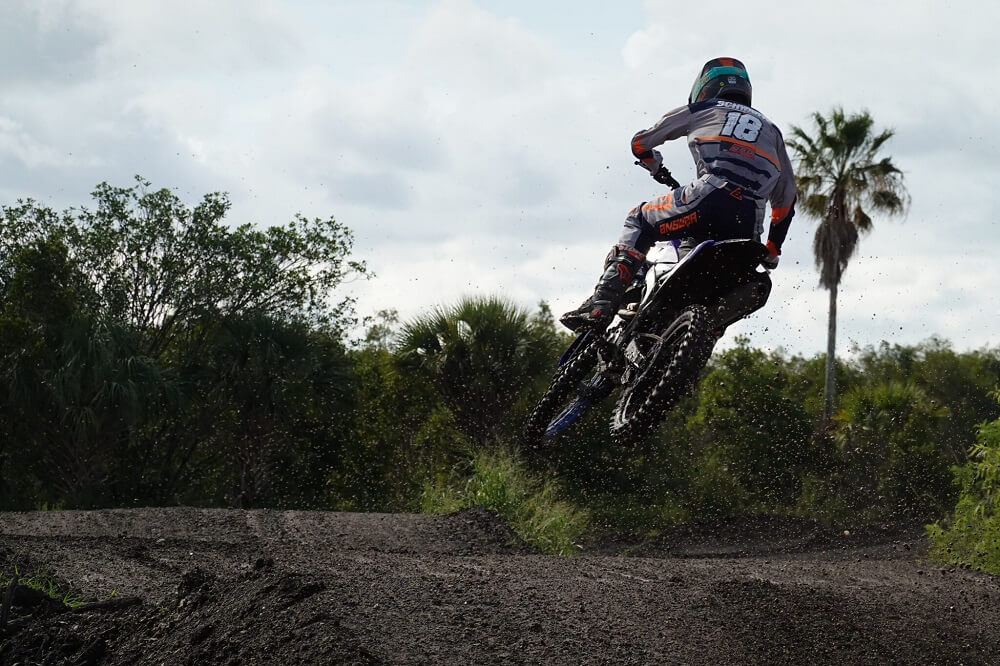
(191, 38)
(28, 152)
(462, 48)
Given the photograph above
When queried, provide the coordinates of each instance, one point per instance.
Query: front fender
(575, 345)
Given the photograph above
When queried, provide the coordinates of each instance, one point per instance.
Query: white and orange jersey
(736, 143)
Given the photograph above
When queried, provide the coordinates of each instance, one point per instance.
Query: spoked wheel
(588, 393)
(567, 396)
(664, 368)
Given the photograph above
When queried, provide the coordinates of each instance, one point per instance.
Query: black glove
(662, 175)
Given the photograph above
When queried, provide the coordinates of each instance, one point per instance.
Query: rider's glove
(770, 262)
(662, 175)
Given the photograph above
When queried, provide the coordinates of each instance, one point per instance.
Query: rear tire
(673, 367)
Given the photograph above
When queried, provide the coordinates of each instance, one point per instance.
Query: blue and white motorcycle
(653, 353)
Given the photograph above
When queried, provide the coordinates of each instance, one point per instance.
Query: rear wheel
(665, 368)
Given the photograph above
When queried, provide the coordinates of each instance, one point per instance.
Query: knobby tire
(564, 384)
(681, 364)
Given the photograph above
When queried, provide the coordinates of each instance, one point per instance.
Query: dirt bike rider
(741, 163)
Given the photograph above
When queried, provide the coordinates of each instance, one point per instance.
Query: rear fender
(710, 272)
(743, 300)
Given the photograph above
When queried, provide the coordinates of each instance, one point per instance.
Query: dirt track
(261, 587)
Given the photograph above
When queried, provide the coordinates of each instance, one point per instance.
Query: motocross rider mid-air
(741, 164)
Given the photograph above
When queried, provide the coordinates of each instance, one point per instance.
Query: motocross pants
(708, 208)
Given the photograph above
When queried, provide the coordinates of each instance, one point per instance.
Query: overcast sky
(482, 146)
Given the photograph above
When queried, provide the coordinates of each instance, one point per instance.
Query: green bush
(961, 381)
(402, 434)
(635, 513)
(153, 353)
(751, 437)
(481, 354)
(972, 534)
(891, 461)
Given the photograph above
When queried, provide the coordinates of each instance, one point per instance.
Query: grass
(530, 505)
(43, 583)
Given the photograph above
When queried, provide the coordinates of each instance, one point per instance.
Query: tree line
(152, 354)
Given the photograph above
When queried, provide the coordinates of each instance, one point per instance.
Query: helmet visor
(715, 72)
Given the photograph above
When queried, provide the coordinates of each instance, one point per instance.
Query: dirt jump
(195, 586)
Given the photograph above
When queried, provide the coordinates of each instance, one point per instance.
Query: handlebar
(663, 176)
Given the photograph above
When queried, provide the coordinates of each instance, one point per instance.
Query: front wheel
(666, 367)
(561, 404)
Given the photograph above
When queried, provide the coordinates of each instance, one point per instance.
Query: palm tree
(841, 179)
(482, 354)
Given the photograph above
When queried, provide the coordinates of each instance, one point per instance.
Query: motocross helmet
(723, 78)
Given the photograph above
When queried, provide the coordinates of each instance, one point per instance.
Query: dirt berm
(192, 586)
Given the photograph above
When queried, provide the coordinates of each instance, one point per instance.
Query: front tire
(673, 362)
(565, 384)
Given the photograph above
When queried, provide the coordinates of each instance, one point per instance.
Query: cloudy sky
(482, 146)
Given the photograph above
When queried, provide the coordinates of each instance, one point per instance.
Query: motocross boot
(599, 309)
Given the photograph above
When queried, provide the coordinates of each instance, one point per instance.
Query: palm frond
(815, 205)
(888, 201)
(861, 221)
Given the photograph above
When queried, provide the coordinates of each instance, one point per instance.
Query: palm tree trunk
(831, 346)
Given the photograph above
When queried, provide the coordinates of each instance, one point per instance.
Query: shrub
(752, 438)
(892, 462)
(972, 535)
(481, 354)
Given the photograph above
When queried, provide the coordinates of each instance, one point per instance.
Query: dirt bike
(671, 317)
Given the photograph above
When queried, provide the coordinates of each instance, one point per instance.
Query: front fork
(613, 363)
(609, 362)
